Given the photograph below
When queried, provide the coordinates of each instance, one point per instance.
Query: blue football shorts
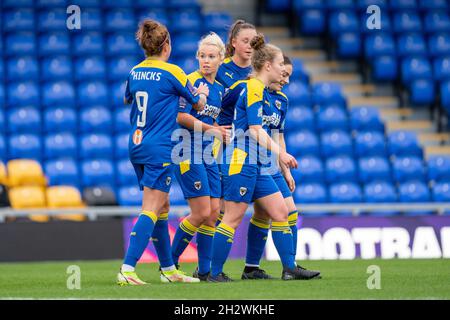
(155, 176)
(197, 180)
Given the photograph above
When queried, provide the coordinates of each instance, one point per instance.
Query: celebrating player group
(229, 151)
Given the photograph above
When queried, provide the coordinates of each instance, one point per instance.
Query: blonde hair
(214, 40)
(262, 52)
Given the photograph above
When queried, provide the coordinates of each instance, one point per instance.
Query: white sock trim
(127, 268)
(252, 265)
(171, 268)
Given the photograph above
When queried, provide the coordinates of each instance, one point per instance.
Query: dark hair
(152, 36)
(235, 28)
(287, 60)
(262, 52)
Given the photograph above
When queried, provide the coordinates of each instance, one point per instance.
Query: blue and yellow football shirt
(229, 73)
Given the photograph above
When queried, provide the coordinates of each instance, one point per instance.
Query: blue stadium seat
(91, 19)
(445, 95)
(117, 93)
(276, 6)
(90, 68)
(328, 93)
(407, 21)
(441, 68)
(217, 21)
(95, 119)
(18, 43)
(54, 43)
(122, 120)
(404, 143)
(340, 169)
(184, 4)
(145, 4)
(366, 119)
(345, 192)
(186, 20)
(96, 146)
(335, 143)
(348, 45)
(370, 143)
(422, 92)
(24, 120)
(22, 68)
(299, 73)
(120, 67)
(433, 4)
(437, 21)
(373, 169)
(125, 173)
(2, 122)
(59, 93)
(56, 68)
(299, 118)
(2, 66)
(312, 22)
(17, 3)
(343, 21)
(121, 146)
(439, 168)
(339, 4)
(92, 93)
(380, 192)
(185, 46)
(364, 4)
(18, 20)
(308, 4)
(25, 146)
(129, 196)
(46, 4)
(332, 117)
(408, 168)
(60, 145)
(384, 68)
(414, 191)
(58, 119)
(411, 44)
(120, 20)
(400, 5)
(2, 96)
(119, 4)
(310, 169)
(97, 173)
(3, 154)
(89, 43)
(380, 44)
(52, 19)
(303, 143)
(188, 64)
(310, 193)
(176, 195)
(23, 94)
(439, 45)
(441, 192)
(62, 172)
(415, 68)
(159, 15)
(298, 93)
(88, 3)
(122, 43)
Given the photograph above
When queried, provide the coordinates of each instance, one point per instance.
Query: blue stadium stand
(370, 143)
(125, 173)
(62, 172)
(60, 145)
(303, 143)
(60, 119)
(340, 169)
(408, 168)
(95, 119)
(95, 172)
(373, 169)
(129, 196)
(439, 168)
(27, 146)
(24, 120)
(96, 146)
(310, 169)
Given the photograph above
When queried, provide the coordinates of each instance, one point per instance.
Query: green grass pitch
(400, 279)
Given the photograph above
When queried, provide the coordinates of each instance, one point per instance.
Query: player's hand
(288, 160)
(224, 132)
(289, 180)
(203, 89)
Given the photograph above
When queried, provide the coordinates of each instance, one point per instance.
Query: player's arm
(286, 172)
(128, 97)
(194, 96)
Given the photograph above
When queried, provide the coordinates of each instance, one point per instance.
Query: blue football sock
(161, 241)
(183, 237)
(219, 218)
(292, 219)
(223, 239)
(205, 235)
(140, 237)
(282, 238)
(258, 230)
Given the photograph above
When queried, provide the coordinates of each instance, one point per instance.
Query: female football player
(154, 88)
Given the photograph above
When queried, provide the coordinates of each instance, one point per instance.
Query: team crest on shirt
(278, 104)
(242, 191)
(137, 137)
(198, 185)
(168, 180)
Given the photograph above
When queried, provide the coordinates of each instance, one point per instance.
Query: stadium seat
(335, 143)
(3, 174)
(62, 172)
(348, 45)
(216, 21)
(384, 68)
(2, 122)
(52, 19)
(441, 68)
(58, 119)
(54, 43)
(310, 193)
(3, 154)
(120, 20)
(439, 45)
(95, 119)
(150, 4)
(437, 21)
(90, 68)
(364, 4)
(380, 192)
(343, 21)
(414, 191)
(400, 5)
(303, 143)
(118, 91)
(157, 14)
(59, 93)
(328, 93)
(445, 95)
(4, 199)
(60, 197)
(176, 195)
(27, 197)
(24, 120)
(433, 5)
(407, 21)
(99, 196)
(25, 172)
(299, 118)
(97, 173)
(188, 65)
(22, 68)
(411, 44)
(129, 196)
(121, 146)
(96, 146)
(2, 96)
(18, 43)
(415, 68)
(380, 44)
(340, 169)
(125, 173)
(404, 143)
(23, 94)
(56, 68)
(17, 3)
(366, 119)
(120, 67)
(370, 143)
(373, 169)
(345, 192)
(122, 44)
(92, 93)
(91, 19)
(25, 146)
(60, 145)
(298, 93)
(441, 192)
(332, 117)
(46, 4)
(312, 22)
(408, 168)
(185, 46)
(439, 168)
(310, 169)
(299, 73)
(22, 19)
(122, 120)
(89, 43)
(186, 19)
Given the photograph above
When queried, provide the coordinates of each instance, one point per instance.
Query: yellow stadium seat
(25, 172)
(29, 197)
(65, 197)
(3, 175)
